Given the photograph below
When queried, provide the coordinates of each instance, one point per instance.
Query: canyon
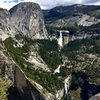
(37, 64)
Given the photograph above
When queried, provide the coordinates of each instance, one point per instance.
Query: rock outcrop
(72, 16)
(28, 19)
(24, 89)
(7, 66)
(6, 28)
(79, 19)
(95, 97)
(25, 19)
(36, 60)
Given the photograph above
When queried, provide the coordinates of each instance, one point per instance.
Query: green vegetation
(64, 71)
(4, 85)
(76, 94)
(93, 72)
(53, 16)
(47, 80)
(77, 80)
(48, 50)
(83, 47)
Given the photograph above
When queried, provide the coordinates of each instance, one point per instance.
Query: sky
(47, 4)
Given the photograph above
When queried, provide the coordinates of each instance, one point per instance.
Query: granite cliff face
(28, 20)
(18, 85)
(7, 66)
(37, 68)
(6, 28)
(24, 18)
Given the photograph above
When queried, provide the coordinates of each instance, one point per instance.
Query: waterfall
(60, 40)
(67, 84)
(64, 91)
(57, 70)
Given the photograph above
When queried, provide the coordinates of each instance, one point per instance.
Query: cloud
(47, 4)
(7, 4)
(97, 3)
(90, 1)
(53, 3)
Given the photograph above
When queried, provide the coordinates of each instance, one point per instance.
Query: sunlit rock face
(6, 29)
(28, 19)
(95, 97)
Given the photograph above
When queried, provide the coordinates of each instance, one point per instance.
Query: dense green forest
(49, 52)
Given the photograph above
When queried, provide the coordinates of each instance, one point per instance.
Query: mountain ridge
(38, 68)
(72, 15)
(28, 21)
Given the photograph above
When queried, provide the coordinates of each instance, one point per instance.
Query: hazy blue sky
(47, 3)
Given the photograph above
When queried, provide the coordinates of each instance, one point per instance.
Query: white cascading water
(60, 40)
(57, 70)
(65, 90)
(67, 84)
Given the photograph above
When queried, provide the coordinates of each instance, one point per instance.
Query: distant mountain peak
(73, 15)
(78, 5)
